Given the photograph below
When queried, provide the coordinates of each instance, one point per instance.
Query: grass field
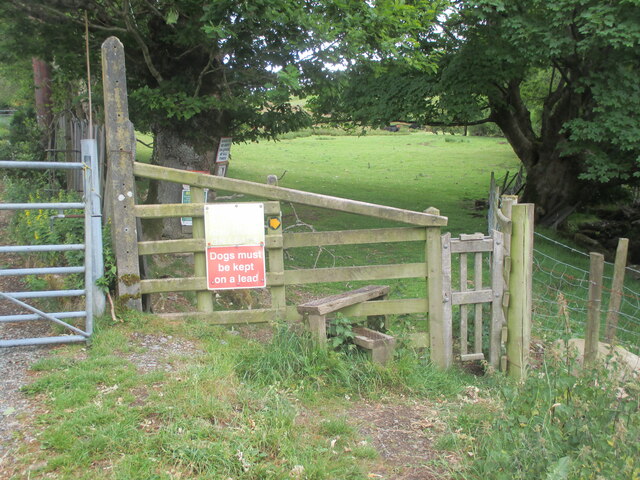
(412, 171)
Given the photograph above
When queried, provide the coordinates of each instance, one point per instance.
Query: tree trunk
(552, 180)
(170, 150)
(42, 82)
(552, 184)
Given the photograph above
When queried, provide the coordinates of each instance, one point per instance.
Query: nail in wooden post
(592, 334)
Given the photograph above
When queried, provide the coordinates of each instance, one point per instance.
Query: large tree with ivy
(559, 78)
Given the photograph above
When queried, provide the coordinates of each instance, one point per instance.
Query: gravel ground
(16, 410)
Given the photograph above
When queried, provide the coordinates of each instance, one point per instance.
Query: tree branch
(203, 72)
(157, 12)
(459, 123)
(138, 38)
(49, 14)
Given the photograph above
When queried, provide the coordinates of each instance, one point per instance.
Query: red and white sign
(234, 267)
(234, 236)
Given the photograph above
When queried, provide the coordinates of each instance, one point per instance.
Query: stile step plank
(334, 303)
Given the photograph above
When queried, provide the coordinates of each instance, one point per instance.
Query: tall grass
(561, 424)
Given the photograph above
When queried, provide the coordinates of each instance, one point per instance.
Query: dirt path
(403, 432)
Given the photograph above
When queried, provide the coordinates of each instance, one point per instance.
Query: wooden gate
(475, 256)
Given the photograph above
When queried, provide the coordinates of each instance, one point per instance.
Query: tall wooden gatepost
(440, 330)
(520, 287)
(120, 184)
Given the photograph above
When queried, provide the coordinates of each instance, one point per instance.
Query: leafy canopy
(559, 78)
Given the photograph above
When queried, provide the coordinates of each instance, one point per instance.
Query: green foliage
(199, 70)
(562, 425)
(558, 78)
(341, 332)
(22, 142)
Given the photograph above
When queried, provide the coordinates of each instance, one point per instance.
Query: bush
(560, 425)
(485, 130)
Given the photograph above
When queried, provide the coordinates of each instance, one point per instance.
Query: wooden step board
(333, 303)
(316, 311)
(381, 345)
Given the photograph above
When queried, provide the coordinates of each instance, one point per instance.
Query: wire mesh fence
(561, 294)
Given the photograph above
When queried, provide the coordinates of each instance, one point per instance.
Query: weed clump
(292, 361)
(559, 425)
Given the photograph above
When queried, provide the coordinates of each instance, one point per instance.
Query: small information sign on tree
(224, 149)
(234, 235)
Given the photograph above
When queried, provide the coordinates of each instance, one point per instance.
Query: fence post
(617, 285)
(506, 226)
(276, 262)
(121, 144)
(441, 337)
(497, 285)
(520, 290)
(592, 334)
(203, 297)
(494, 200)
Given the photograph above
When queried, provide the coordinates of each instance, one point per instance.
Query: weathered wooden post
(204, 298)
(505, 225)
(440, 332)
(120, 184)
(617, 284)
(275, 243)
(497, 286)
(494, 200)
(520, 290)
(592, 333)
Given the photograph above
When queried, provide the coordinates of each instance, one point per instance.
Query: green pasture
(412, 171)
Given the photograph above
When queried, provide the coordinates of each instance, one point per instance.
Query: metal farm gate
(93, 261)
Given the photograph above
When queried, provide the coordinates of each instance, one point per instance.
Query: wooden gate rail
(273, 192)
(426, 230)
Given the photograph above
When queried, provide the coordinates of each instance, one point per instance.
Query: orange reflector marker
(274, 223)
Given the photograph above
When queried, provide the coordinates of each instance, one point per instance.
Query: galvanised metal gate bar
(92, 268)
